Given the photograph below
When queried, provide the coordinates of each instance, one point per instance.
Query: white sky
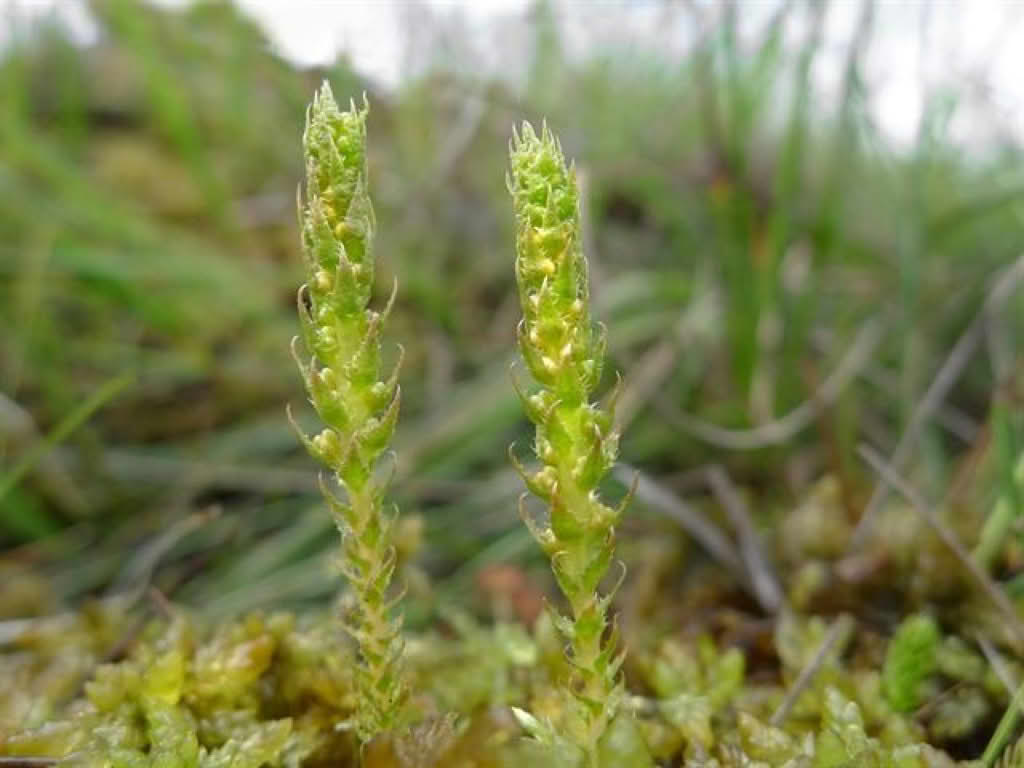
(977, 42)
(313, 31)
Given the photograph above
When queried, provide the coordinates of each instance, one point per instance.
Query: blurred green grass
(743, 232)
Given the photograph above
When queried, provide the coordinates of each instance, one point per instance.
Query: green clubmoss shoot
(343, 378)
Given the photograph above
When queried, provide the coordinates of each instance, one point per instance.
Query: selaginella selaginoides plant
(344, 382)
(575, 439)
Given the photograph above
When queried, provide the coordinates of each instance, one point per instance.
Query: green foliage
(909, 660)
(344, 385)
(145, 206)
(995, 534)
(1013, 756)
(575, 440)
(141, 239)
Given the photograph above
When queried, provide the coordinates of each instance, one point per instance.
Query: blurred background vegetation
(780, 282)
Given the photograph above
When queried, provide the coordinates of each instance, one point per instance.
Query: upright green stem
(575, 440)
(345, 386)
